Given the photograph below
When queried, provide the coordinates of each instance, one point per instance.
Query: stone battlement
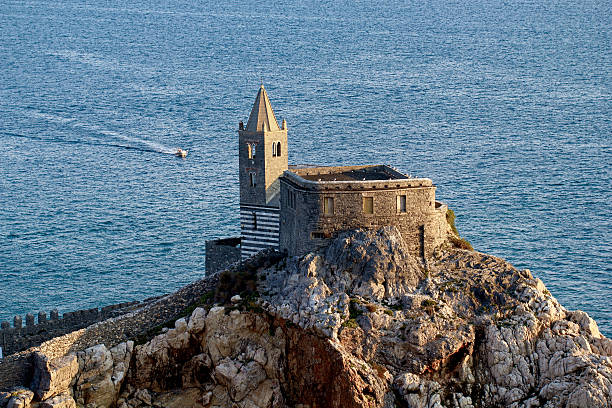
(37, 329)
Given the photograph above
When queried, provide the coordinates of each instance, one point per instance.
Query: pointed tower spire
(262, 116)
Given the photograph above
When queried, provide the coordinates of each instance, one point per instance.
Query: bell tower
(262, 151)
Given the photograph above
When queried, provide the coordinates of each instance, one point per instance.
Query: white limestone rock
(101, 373)
(64, 400)
(53, 377)
(20, 398)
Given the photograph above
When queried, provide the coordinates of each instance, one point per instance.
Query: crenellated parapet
(38, 328)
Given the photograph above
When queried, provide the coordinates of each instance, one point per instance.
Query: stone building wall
(305, 227)
(255, 164)
(259, 227)
(221, 253)
(264, 164)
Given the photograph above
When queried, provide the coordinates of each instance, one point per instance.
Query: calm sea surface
(505, 105)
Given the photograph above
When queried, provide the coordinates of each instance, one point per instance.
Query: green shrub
(450, 218)
(354, 310)
(461, 243)
(233, 282)
(350, 323)
(456, 240)
(428, 303)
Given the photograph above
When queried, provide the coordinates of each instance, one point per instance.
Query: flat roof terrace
(348, 173)
(373, 177)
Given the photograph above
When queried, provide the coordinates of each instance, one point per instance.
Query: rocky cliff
(359, 324)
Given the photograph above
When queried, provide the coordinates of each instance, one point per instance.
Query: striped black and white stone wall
(259, 226)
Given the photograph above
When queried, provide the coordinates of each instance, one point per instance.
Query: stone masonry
(289, 208)
(319, 202)
(20, 336)
(221, 253)
(262, 153)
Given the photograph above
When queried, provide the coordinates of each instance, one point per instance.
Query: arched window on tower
(250, 150)
(278, 149)
(274, 149)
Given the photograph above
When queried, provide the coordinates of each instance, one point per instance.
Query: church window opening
(401, 203)
(274, 149)
(250, 150)
(278, 149)
(368, 205)
(328, 205)
(252, 179)
(291, 198)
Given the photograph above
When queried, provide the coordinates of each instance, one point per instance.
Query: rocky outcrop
(359, 324)
(19, 398)
(53, 377)
(101, 374)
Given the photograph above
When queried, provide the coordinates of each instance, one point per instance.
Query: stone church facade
(297, 209)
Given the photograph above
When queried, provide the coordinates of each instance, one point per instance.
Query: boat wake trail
(134, 143)
(74, 142)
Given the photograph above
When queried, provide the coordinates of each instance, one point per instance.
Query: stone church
(298, 209)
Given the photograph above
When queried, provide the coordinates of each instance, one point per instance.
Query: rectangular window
(328, 205)
(252, 179)
(368, 205)
(317, 234)
(401, 203)
(293, 198)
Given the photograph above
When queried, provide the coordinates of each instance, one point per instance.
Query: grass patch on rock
(456, 239)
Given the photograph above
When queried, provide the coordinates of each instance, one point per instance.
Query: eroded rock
(360, 324)
(53, 377)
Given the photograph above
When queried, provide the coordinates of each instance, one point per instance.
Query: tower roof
(262, 114)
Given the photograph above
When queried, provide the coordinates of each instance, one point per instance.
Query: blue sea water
(506, 105)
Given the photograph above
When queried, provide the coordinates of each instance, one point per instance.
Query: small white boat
(181, 153)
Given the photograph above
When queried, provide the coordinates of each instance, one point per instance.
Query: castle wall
(221, 253)
(28, 333)
(305, 227)
(16, 369)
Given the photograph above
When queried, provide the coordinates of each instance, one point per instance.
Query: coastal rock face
(221, 358)
(360, 324)
(52, 377)
(466, 330)
(101, 374)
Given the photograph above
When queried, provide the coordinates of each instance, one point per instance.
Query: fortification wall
(22, 336)
(221, 254)
(16, 369)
